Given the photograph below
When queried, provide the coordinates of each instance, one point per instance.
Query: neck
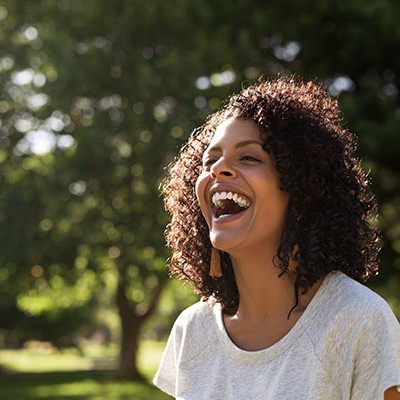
(262, 293)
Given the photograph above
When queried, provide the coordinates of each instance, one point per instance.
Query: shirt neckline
(271, 352)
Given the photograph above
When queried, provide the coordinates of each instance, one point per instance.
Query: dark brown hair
(330, 222)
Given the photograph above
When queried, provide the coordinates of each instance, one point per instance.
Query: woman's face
(238, 190)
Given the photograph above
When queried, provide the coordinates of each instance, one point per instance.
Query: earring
(215, 264)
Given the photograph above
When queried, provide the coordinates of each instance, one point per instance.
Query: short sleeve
(165, 377)
(187, 339)
(377, 364)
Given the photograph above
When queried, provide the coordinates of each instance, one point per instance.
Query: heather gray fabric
(345, 346)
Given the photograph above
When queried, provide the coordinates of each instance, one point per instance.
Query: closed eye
(249, 158)
(208, 162)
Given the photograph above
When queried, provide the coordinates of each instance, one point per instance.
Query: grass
(35, 374)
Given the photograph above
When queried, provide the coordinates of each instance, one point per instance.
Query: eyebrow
(238, 145)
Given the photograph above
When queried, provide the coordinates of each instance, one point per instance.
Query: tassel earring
(215, 264)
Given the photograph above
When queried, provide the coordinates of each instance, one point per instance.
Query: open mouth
(229, 203)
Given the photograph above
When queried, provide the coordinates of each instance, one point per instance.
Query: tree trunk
(131, 324)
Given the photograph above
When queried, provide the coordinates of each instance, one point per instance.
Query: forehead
(233, 131)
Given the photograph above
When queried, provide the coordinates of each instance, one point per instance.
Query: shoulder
(192, 331)
(354, 331)
(347, 315)
(196, 316)
(346, 298)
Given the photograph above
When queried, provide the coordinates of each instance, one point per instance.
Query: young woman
(274, 223)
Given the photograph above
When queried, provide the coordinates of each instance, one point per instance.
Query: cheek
(201, 186)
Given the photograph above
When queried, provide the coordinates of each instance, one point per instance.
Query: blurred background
(96, 97)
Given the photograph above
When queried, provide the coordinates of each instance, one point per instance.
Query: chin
(224, 242)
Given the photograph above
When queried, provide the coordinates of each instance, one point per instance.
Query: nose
(221, 168)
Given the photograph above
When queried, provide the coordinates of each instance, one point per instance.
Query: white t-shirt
(345, 346)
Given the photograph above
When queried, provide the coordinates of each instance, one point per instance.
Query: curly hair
(330, 222)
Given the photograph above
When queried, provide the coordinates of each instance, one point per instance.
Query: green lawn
(48, 375)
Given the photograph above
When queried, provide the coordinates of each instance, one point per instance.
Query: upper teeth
(237, 198)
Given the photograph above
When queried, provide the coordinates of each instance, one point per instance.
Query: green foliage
(175, 298)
